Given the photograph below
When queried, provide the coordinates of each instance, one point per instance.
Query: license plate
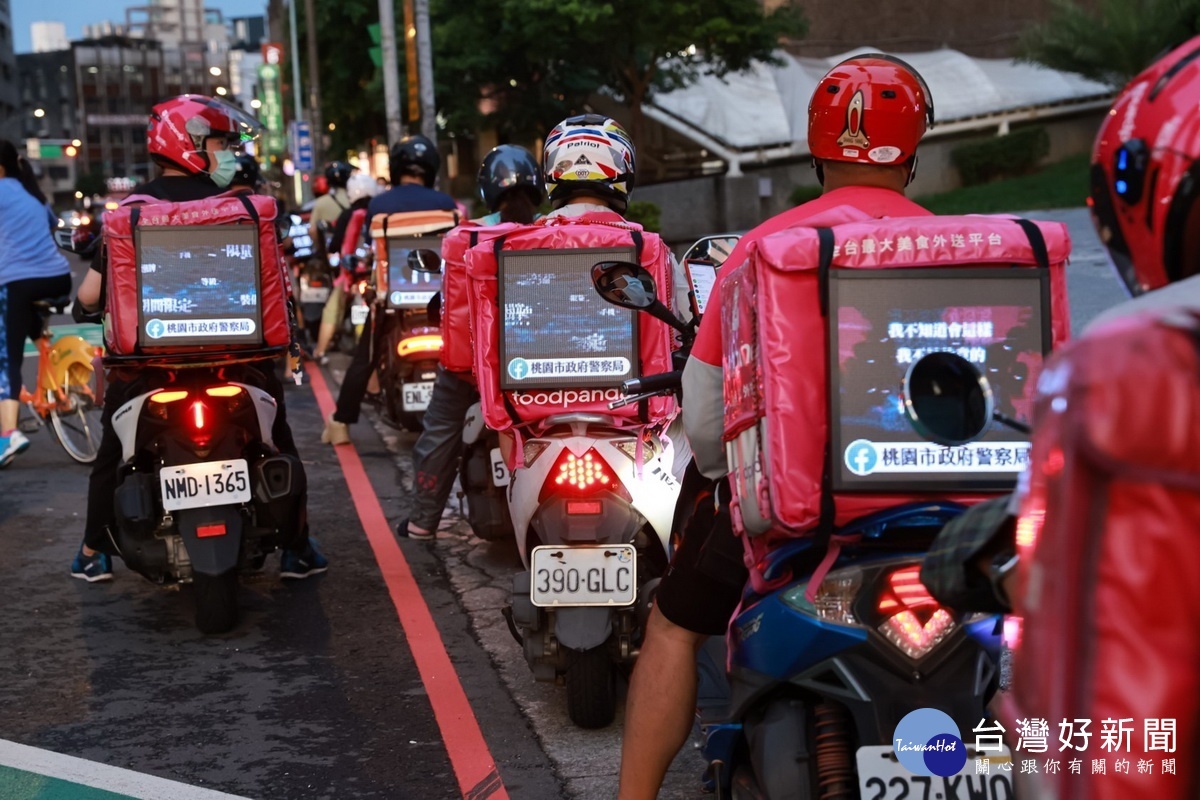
(314, 294)
(359, 314)
(584, 575)
(880, 777)
(211, 483)
(500, 474)
(417, 396)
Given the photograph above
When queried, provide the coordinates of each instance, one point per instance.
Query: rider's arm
(704, 393)
(91, 290)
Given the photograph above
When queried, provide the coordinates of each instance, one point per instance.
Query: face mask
(226, 168)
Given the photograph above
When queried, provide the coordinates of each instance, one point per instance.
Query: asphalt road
(316, 693)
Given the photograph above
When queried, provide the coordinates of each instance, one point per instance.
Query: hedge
(1002, 156)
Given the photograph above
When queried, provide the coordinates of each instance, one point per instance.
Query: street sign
(271, 113)
(302, 146)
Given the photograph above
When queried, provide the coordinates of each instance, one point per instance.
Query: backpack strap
(1037, 242)
(250, 209)
(825, 248)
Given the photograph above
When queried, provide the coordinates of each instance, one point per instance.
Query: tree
(533, 61)
(1114, 42)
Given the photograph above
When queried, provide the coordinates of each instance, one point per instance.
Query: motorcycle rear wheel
(591, 688)
(216, 601)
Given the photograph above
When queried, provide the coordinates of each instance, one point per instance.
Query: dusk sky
(77, 13)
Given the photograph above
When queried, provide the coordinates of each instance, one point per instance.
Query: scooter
(592, 509)
(203, 493)
(816, 689)
(413, 345)
(484, 478)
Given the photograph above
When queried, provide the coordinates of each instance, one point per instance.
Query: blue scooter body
(784, 660)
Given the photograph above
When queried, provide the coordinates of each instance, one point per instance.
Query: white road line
(102, 776)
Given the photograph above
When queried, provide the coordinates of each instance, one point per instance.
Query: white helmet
(361, 185)
(589, 154)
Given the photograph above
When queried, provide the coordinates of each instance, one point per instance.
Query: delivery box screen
(884, 320)
(408, 287)
(198, 285)
(557, 331)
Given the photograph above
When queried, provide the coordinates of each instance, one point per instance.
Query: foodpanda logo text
(566, 397)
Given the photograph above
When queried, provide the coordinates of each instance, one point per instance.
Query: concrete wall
(701, 206)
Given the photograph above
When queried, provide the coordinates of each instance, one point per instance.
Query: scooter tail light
(428, 343)
(581, 476)
(533, 450)
(168, 396)
(199, 416)
(229, 390)
(834, 599)
(913, 621)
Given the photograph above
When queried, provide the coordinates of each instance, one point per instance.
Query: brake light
(199, 415)
(223, 391)
(205, 531)
(167, 396)
(575, 507)
(586, 473)
(913, 621)
(430, 343)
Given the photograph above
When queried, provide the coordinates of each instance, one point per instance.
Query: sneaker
(405, 532)
(335, 432)
(96, 567)
(10, 445)
(303, 563)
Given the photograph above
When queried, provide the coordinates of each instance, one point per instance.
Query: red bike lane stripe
(473, 764)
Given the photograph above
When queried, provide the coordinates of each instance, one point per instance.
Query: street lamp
(39, 112)
(256, 103)
(76, 143)
(214, 71)
(221, 91)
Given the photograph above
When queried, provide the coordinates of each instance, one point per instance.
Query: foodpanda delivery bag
(820, 327)
(195, 278)
(458, 354)
(545, 341)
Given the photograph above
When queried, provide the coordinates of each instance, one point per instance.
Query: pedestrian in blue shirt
(31, 269)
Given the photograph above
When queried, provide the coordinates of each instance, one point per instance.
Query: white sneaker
(10, 445)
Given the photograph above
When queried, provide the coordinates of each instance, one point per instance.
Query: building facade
(9, 119)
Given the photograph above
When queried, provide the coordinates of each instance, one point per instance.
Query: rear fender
(211, 553)
(582, 628)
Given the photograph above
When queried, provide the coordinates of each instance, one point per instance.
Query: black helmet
(248, 173)
(337, 173)
(509, 167)
(415, 155)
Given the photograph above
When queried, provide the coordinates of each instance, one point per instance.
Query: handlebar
(654, 384)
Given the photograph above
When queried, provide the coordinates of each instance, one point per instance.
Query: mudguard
(582, 628)
(211, 553)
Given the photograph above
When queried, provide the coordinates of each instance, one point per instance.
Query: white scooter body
(653, 492)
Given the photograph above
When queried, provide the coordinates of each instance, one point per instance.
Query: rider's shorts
(704, 583)
(335, 307)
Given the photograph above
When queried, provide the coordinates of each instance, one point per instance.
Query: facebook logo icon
(861, 458)
(518, 369)
(155, 328)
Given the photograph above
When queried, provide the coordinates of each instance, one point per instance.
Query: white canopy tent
(762, 114)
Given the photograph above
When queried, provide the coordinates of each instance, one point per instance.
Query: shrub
(1003, 156)
(646, 214)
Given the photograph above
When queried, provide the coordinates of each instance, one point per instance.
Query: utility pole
(391, 71)
(298, 112)
(425, 71)
(314, 84)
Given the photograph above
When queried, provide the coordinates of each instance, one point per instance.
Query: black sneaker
(297, 564)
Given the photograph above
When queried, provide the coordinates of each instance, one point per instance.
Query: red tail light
(578, 507)
(206, 531)
(583, 474)
(913, 621)
(199, 415)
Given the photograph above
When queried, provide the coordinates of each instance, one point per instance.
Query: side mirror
(429, 261)
(712, 250)
(947, 399)
(630, 285)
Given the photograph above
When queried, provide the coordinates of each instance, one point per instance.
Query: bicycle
(69, 389)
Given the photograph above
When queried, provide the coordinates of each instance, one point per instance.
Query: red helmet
(179, 126)
(1146, 174)
(320, 186)
(870, 109)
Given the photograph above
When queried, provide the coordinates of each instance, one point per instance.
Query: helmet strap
(912, 169)
(819, 168)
